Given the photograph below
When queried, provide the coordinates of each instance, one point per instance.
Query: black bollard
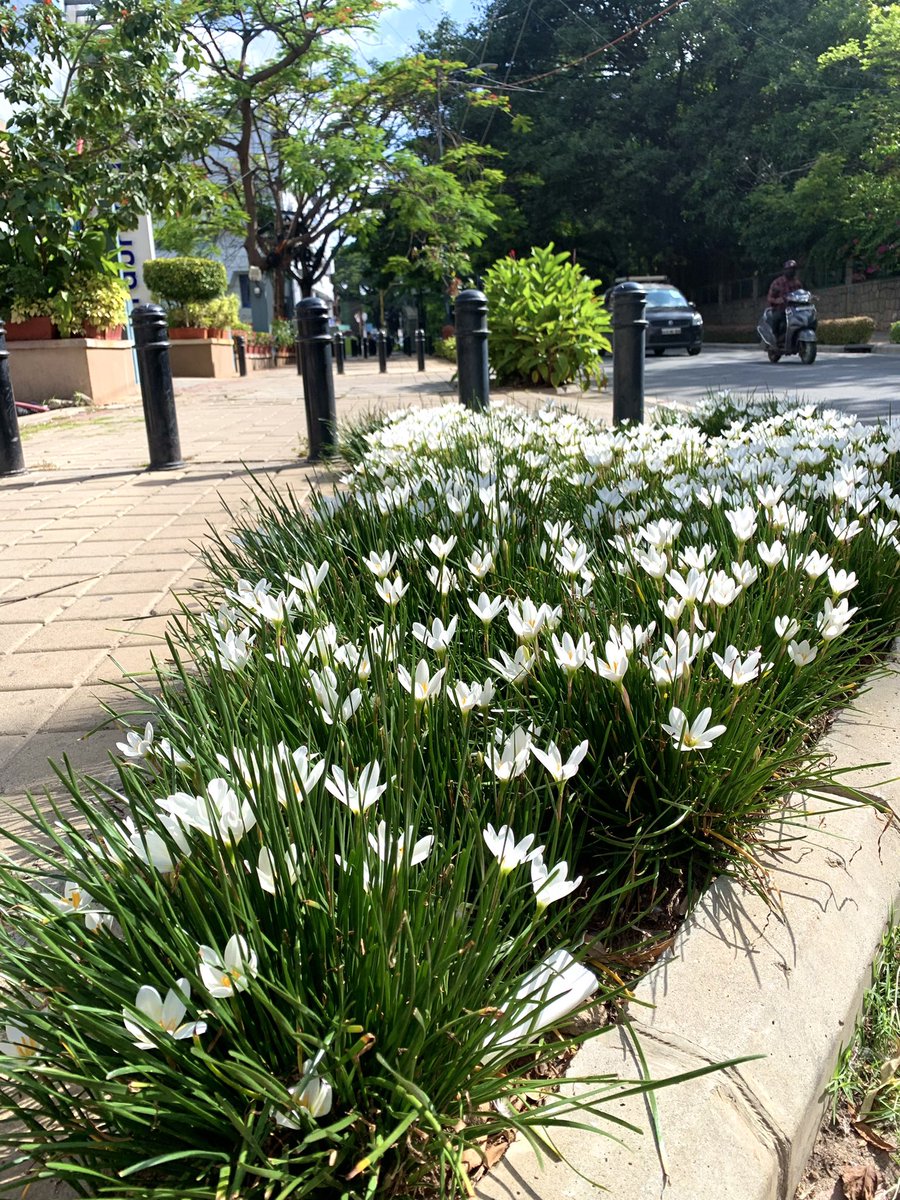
(629, 336)
(339, 352)
(298, 354)
(151, 341)
(472, 349)
(364, 344)
(408, 342)
(318, 382)
(240, 344)
(12, 461)
(420, 349)
(381, 341)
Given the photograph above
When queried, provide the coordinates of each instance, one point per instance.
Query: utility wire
(512, 60)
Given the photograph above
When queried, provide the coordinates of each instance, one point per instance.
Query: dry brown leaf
(860, 1183)
(873, 1137)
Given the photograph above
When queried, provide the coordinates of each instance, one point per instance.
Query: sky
(398, 28)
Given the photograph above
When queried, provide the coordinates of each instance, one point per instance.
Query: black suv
(672, 323)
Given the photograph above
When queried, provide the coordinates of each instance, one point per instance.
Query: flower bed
(435, 756)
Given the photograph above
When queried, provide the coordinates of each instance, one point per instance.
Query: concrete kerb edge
(743, 979)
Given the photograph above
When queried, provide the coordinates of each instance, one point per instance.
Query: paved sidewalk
(95, 547)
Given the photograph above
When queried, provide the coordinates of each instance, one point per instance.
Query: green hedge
(185, 280)
(445, 348)
(846, 331)
(895, 332)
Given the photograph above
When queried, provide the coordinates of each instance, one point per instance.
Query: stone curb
(873, 347)
(743, 979)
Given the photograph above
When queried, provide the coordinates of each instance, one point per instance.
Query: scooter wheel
(774, 355)
(808, 351)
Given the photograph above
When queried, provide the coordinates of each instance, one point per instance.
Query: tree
(85, 151)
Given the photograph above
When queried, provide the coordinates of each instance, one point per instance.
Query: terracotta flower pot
(35, 329)
(111, 334)
(182, 334)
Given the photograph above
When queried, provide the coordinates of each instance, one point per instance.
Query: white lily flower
(468, 696)
(787, 628)
(834, 619)
(526, 619)
(552, 759)
(571, 656)
(614, 666)
(445, 580)
(391, 591)
(740, 671)
(508, 852)
(516, 668)
(423, 686)
(234, 651)
(774, 555)
(166, 1015)
(266, 873)
(486, 609)
(744, 572)
(217, 814)
(742, 522)
(309, 579)
(556, 987)
(802, 653)
(572, 558)
(313, 1095)
(225, 974)
(152, 848)
(511, 759)
(137, 745)
(723, 590)
(19, 1044)
(438, 638)
(551, 884)
(295, 773)
(841, 581)
(325, 688)
(698, 735)
(816, 564)
(381, 564)
(366, 792)
(480, 563)
(75, 899)
(441, 549)
(391, 850)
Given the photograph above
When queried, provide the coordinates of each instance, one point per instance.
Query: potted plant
(285, 339)
(92, 306)
(183, 286)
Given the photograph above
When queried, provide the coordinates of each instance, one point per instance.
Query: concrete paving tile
(61, 634)
(24, 711)
(12, 636)
(30, 768)
(56, 537)
(42, 608)
(104, 549)
(46, 668)
(93, 564)
(134, 582)
(24, 561)
(11, 744)
(129, 661)
(83, 711)
(173, 560)
(108, 606)
(24, 589)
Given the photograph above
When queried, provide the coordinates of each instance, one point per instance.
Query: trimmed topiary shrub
(178, 281)
(548, 325)
(846, 331)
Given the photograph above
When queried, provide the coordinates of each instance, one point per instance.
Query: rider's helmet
(790, 268)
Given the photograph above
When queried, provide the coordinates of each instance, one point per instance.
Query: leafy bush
(310, 959)
(284, 334)
(845, 331)
(895, 333)
(445, 347)
(180, 281)
(221, 313)
(547, 323)
(743, 334)
(90, 298)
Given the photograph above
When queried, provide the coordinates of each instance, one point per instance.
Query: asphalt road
(867, 385)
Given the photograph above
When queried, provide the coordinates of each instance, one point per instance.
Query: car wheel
(694, 351)
(659, 351)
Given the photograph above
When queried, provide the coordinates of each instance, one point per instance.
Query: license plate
(670, 331)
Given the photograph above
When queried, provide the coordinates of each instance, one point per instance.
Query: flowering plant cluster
(428, 753)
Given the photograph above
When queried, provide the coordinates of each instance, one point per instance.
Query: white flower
(786, 628)
(672, 608)
(75, 899)
(514, 669)
(556, 987)
(439, 548)
(19, 1044)
(266, 872)
(228, 973)
(739, 671)
(552, 760)
(137, 745)
(841, 581)
(571, 656)
(774, 555)
(553, 884)
(295, 773)
(742, 522)
(654, 563)
(816, 564)
(480, 563)
(691, 588)
(218, 813)
(572, 558)
(526, 619)
(309, 579)
(833, 620)
(472, 695)
(745, 573)
(165, 750)
(802, 653)
(364, 795)
(234, 651)
(391, 590)
(152, 848)
(325, 688)
(723, 590)
(486, 609)
(391, 850)
(382, 564)
(165, 1015)
(614, 666)
(424, 686)
(438, 637)
(508, 852)
(313, 1095)
(512, 758)
(698, 735)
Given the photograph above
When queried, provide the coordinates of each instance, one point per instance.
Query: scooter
(801, 320)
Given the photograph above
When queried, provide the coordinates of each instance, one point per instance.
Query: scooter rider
(779, 289)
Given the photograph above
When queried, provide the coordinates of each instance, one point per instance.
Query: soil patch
(844, 1166)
